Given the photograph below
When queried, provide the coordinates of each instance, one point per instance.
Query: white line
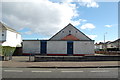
(66, 69)
(13, 70)
(71, 71)
(41, 71)
(99, 71)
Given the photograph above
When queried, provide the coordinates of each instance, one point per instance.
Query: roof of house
(8, 28)
(73, 27)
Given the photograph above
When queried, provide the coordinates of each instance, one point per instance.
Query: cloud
(92, 36)
(88, 3)
(40, 16)
(108, 26)
(87, 26)
(78, 22)
(44, 17)
(28, 32)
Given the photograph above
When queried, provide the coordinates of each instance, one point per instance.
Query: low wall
(108, 52)
(77, 58)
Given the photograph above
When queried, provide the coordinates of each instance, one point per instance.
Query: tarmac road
(60, 72)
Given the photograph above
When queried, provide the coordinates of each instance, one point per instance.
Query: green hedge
(7, 50)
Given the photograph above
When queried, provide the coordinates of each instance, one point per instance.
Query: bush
(7, 50)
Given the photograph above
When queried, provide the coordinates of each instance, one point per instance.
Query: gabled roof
(74, 28)
(8, 28)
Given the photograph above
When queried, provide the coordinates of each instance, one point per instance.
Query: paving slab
(23, 61)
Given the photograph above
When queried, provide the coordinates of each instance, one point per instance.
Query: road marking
(99, 71)
(41, 71)
(13, 70)
(71, 71)
(66, 69)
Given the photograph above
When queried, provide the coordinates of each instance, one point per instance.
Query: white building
(9, 36)
(99, 46)
(68, 41)
(108, 45)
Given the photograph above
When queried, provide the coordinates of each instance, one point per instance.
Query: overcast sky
(43, 18)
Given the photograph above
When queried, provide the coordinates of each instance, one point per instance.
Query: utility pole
(104, 42)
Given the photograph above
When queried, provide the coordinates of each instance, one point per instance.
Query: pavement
(23, 62)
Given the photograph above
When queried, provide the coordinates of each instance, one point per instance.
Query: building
(68, 41)
(116, 44)
(109, 45)
(9, 36)
(99, 46)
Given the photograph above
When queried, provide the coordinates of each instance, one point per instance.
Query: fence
(108, 52)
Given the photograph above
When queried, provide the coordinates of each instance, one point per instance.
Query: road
(60, 72)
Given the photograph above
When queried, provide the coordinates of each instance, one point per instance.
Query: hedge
(7, 50)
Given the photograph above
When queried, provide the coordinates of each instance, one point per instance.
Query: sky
(41, 19)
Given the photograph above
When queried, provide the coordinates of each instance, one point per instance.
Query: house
(68, 41)
(99, 46)
(109, 45)
(116, 44)
(9, 36)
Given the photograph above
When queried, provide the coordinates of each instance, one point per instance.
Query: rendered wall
(12, 39)
(31, 47)
(59, 47)
(83, 47)
(56, 47)
(2, 33)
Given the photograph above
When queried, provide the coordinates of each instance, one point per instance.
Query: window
(76, 31)
(2, 34)
(62, 31)
(69, 32)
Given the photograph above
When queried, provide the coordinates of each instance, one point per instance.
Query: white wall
(83, 47)
(13, 39)
(57, 47)
(2, 31)
(31, 47)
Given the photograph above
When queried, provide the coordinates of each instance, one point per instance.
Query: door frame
(70, 47)
(43, 48)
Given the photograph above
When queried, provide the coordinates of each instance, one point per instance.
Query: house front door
(43, 50)
(70, 47)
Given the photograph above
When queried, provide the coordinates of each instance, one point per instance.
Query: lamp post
(104, 42)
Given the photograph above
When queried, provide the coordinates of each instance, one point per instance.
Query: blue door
(43, 47)
(70, 47)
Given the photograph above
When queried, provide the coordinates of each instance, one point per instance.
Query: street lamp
(104, 41)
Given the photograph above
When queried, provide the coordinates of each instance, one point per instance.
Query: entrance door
(70, 47)
(43, 47)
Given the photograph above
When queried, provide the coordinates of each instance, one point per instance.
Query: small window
(2, 34)
(62, 31)
(69, 32)
(76, 31)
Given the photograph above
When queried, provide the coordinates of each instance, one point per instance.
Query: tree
(7, 51)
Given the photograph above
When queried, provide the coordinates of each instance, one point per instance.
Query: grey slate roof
(4, 26)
